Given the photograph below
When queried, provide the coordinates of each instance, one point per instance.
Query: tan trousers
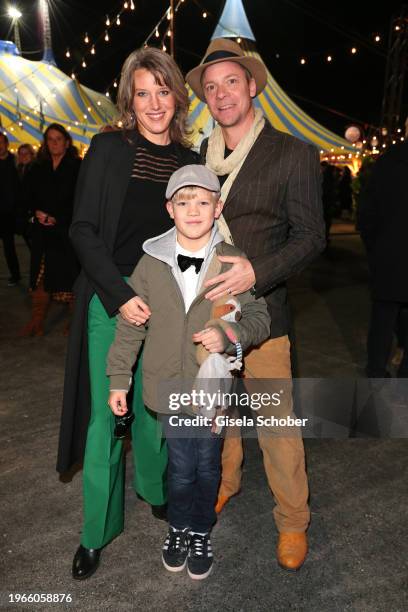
(283, 455)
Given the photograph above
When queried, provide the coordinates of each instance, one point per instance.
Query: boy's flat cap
(193, 175)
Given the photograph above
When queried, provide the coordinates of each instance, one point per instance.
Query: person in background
(328, 195)
(345, 193)
(383, 222)
(50, 191)
(25, 160)
(8, 203)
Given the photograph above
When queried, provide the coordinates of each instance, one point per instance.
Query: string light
(67, 53)
(107, 20)
(125, 5)
(106, 36)
(93, 50)
(86, 39)
(397, 28)
(329, 58)
(164, 48)
(83, 63)
(377, 38)
(118, 20)
(169, 14)
(238, 39)
(399, 130)
(303, 61)
(204, 15)
(115, 83)
(132, 6)
(354, 50)
(157, 33)
(107, 94)
(169, 33)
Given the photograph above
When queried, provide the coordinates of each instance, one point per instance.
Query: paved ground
(358, 535)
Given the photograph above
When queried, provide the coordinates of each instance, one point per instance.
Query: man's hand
(238, 279)
(211, 339)
(117, 402)
(135, 311)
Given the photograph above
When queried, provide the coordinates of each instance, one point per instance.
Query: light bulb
(86, 39)
(107, 20)
(106, 36)
(67, 53)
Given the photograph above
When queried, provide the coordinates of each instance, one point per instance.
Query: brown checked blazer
(274, 213)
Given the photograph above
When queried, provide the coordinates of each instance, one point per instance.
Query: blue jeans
(193, 474)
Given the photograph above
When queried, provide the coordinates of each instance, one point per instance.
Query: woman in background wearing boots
(50, 190)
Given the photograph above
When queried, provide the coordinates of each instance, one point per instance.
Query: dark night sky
(351, 84)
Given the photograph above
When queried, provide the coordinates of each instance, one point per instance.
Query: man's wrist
(252, 290)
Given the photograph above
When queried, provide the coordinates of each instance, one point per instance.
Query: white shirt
(190, 277)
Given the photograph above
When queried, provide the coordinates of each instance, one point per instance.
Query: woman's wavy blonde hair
(166, 72)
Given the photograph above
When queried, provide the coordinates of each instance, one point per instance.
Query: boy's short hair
(188, 192)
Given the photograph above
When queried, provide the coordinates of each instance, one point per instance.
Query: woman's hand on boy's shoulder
(135, 311)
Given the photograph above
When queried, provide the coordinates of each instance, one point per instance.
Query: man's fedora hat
(226, 50)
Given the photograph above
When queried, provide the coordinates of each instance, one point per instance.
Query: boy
(170, 279)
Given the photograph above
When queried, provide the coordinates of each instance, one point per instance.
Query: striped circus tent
(277, 106)
(35, 94)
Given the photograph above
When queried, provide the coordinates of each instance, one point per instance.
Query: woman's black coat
(383, 223)
(100, 194)
(52, 191)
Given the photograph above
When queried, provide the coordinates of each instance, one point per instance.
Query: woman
(120, 203)
(50, 191)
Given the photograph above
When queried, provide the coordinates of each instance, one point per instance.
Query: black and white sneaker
(200, 557)
(175, 549)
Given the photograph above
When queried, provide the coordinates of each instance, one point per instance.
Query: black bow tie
(184, 262)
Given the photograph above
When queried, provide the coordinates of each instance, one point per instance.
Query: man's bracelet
(252, 290)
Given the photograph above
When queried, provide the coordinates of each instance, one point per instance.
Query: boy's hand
(211, 339)
(117, 402)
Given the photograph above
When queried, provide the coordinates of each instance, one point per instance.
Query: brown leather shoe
(221, 501)
(291, 550)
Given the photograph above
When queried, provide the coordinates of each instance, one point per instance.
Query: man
(9, 187)
(383, 222)
(272, 205)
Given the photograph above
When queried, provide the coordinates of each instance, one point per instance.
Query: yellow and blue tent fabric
(35, 94)
(277, 106)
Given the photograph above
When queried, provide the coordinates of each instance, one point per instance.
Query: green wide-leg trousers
(103, 470)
